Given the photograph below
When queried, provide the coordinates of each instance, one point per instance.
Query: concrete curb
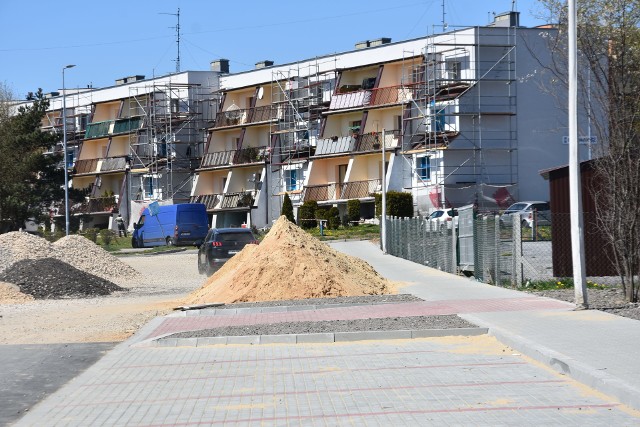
(214, 311)
(328, 337)
(579, 371)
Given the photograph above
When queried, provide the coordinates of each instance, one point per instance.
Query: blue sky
(107, 40)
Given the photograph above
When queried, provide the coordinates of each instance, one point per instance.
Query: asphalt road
(31, 372)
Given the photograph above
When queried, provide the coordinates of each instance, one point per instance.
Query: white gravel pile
(77, 251)
(17, 246)
(85, 255)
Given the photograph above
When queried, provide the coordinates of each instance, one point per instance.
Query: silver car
(525, 210)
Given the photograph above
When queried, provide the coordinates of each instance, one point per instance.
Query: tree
(307, 214)
(287, 209)
(609, 46)
(29, 179)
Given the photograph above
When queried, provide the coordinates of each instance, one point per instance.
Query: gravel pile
(50, 278)
(16, 246)
(85, 255)
(73, 251)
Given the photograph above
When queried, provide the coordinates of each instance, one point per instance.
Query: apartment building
(462, 118)
(135, 142)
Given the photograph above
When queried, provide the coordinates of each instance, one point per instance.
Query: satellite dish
(233, 112)
(260, 92)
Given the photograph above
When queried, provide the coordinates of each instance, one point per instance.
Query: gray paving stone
(206, 341)
(247, 339)
(426, 333)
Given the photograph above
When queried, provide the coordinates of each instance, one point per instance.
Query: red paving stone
(426, 308)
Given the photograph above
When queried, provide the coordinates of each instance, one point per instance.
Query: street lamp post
(64, 149)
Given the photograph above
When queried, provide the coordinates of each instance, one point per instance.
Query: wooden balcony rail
(86, 166)
(359, 189)
(242, 199)
(209, 200)
(113, 164)
(236, 157)
(96, 205)
(245, 116)
(380, 96)
(319, 193)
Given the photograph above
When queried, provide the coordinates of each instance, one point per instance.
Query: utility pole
(383, 220)
(575, 191)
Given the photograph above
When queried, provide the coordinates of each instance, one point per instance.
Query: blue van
(173, 225)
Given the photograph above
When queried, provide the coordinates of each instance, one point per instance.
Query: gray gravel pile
(85, 255)
(359, 325)
(75, 250)
(50, 278)
(610, 300)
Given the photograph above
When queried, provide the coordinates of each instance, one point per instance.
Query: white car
(526, 212)
(444, 217)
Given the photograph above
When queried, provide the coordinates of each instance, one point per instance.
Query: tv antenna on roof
(444, 23)
(177, 27)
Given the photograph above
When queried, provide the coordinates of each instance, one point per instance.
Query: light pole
(64, 149)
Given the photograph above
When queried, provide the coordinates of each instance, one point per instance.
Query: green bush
(353, 212)
(307, 214)
(52, 237)
(91, 234)
(333, 218)
(287, 208)
(399, 204)
(107, 236)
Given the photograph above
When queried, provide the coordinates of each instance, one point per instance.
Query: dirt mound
(50, 278)
(85, 255)
(10, 294)
(289, 264)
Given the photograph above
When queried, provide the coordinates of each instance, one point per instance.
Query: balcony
(243, 117)
(335, 145)
(234, 157)
(209, 200)
(372, 141)
(244, 199)
(374, 97)
(96, 205)
(112, 127)
(344, 191)
(109, 164)
(360, 143)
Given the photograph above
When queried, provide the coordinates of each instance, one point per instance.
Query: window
(454, 68)
(423, 169)
(290, 179)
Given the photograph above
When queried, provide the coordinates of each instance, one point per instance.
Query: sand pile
(289, 264)
(10, 294)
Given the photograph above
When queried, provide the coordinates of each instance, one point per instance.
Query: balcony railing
(111, 127)
(359, 189)
(373, 141)
(242, 199)
(86, 166)
(319, 193)
(100, 165)
(335, 145)
(245, 116)
(209, 200)
(96, 205)
(380, 96)
(235, 157)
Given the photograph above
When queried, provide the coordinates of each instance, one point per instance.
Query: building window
(423, 168)
(290, 178)
(454, 70)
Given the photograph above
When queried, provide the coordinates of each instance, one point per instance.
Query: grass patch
(358, 232)
(559, 283)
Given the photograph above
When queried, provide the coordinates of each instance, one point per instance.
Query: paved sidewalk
(454, 380)
(596, 348)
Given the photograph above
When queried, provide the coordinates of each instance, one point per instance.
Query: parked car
(220, 245)
(172, 225)
(444, 217)
(525, 210)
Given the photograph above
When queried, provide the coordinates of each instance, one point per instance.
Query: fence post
(496, 273)
(516, 275)
(454, 247)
